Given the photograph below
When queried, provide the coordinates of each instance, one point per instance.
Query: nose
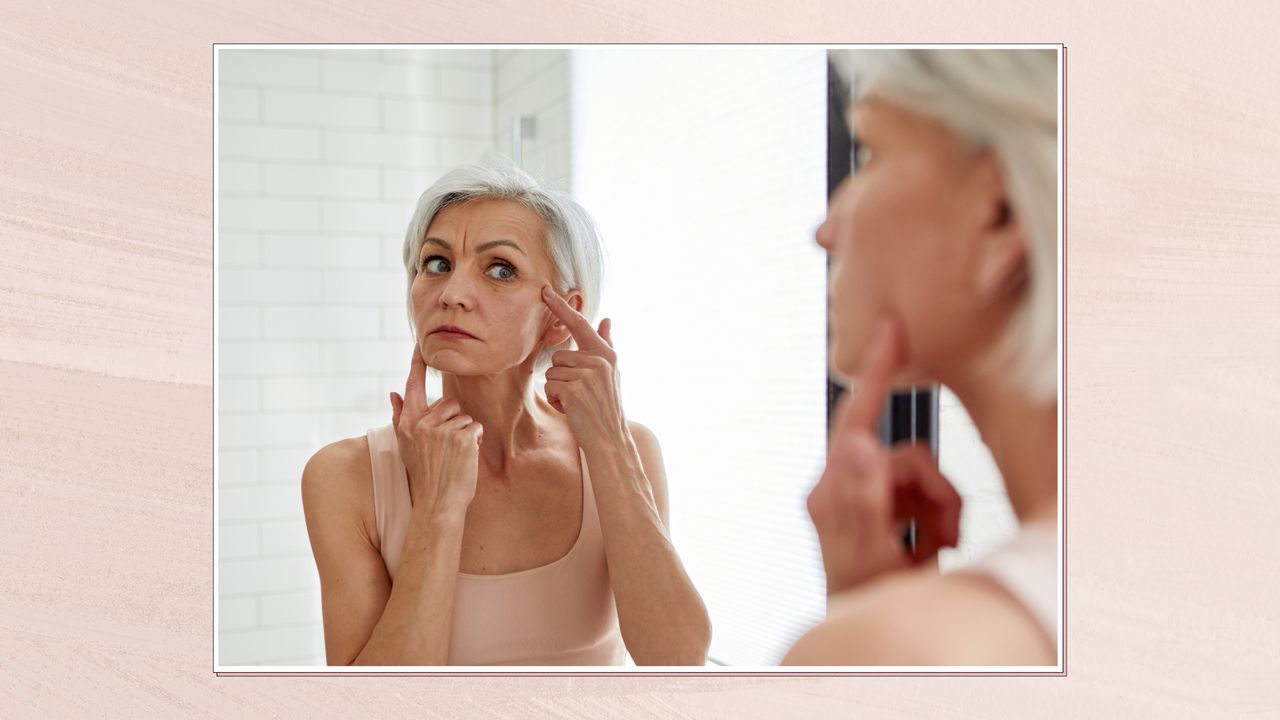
(823, 235)
(458, 291)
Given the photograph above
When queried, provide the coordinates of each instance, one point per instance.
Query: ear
(999, 264)
(557, 332)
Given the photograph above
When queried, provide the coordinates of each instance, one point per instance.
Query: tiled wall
(322, 156)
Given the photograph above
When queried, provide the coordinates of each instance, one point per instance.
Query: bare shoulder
(922, 618)
(338, 480)
(654, 469)
(644, 437)
(650, 452)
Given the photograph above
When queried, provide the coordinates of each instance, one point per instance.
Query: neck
(506, 405)
(1023, 438)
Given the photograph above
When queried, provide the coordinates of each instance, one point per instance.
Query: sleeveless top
(561, 613)
(1027, 567)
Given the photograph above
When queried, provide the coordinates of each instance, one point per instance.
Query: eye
(436, 264)
(861, 154)
(501, 271)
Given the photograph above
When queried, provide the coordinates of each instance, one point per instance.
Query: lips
(453, 331)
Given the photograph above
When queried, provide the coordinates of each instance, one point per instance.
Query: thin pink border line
(705, 673)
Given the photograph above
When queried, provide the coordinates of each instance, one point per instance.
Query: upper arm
(354, 585)
(651, 459)
(948, 620)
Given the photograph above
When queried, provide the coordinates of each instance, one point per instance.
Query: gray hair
(573, 241)
(1006, 100)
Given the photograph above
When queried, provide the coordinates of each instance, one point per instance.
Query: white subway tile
(553, 122)
(264, 214)
(320, 322)
(429, 116)
(457, 151)
(260, 430)
(380, 356)
(319, 393)
(269, 68)
(269, 646)
(361, 286)
(237, 467)
(269, 286)
(285, 537)
(237, 613)
(395, 324)
(266, 575)
(238, 249)
(393, 252)
(349, 54)
(474, 85)
(238, 104)
(236, 540)
(373, 148)
(268, 143)
(260, 502)
(542, 90)
(236, 177)
(338, 425)
(321, 180)
(293, 608)
(268, 358)
(237, 395)
(238, 322)
(284, 465)
(353, 75)
(287, 107)
(447, 57)
(407, 183)
(358, 216)
(516, 70)
(322, 251)
(556, 165)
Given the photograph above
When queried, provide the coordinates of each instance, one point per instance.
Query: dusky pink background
(106, 358)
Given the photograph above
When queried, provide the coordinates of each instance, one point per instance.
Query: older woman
(497, 526)
(943, 250)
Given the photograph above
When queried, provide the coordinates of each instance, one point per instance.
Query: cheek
(888, 224)
(518, 320)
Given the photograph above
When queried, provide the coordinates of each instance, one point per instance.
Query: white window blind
(705, 168)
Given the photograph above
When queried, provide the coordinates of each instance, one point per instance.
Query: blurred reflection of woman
(498, 526)
(944, 265)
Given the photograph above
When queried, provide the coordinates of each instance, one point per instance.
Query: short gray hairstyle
(573, 240)
(1006, 100)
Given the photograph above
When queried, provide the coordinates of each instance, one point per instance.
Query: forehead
(873, 112)
(490, 219)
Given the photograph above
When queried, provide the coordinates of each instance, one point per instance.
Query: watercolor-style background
(106, 360)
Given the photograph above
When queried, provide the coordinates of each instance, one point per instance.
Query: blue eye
(501, 271)
(436, 264)
(862, 156)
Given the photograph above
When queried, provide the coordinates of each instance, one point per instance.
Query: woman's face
(476, 298)
(909, 237)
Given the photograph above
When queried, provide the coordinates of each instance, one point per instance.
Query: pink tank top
(561, 613)
(1027, 567)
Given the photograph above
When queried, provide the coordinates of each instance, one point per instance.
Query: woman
(943, 251)
(497, 526)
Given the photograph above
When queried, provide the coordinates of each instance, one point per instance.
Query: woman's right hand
(440, 446)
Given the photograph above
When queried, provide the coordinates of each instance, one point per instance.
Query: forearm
(662, 617)
(415, 625)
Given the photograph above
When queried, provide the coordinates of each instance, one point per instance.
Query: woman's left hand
(583, 384)
(868, 492)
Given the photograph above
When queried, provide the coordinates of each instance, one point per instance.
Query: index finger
(415, 385)
(582, 332)
(879, 363)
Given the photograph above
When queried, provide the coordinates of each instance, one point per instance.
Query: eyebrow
(481, 248)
